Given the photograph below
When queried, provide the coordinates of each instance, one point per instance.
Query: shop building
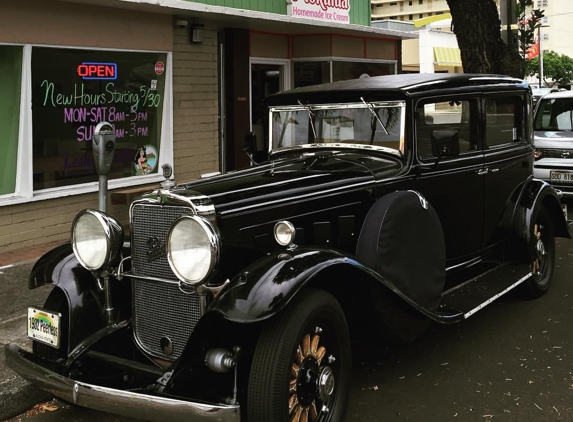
(180, 81)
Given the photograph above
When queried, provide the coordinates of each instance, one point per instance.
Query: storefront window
(311, 73)
(10, 82)
(73, 90)
(318, 72)
(343, 70)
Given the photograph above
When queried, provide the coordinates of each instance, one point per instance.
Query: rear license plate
(561, 176)
(44, 326)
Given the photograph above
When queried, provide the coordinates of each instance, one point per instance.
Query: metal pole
(540, 58)
(103, 192)
(508, 26)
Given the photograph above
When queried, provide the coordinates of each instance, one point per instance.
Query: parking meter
(103, 148)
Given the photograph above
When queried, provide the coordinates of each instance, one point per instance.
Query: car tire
(543, 244)
(302, 363)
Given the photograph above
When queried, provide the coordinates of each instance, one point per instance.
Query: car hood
(554, 139)
(295, 175)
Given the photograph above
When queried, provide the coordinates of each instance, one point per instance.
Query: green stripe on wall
(359, 9)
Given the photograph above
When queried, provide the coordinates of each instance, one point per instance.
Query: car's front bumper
(135, 405)
(542, 170)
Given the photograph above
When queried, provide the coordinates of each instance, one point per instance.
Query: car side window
(503, 119)
(555, 114)
(444, 128)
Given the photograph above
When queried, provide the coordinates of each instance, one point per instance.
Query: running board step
(476, 294)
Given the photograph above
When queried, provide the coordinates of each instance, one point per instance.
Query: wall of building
(195, 101)
(556, 32)
(195, 104)
(63, 23)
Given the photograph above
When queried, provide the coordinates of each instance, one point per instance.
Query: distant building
(435, 50)
(555, 33)
(556, 30)
(407, 10)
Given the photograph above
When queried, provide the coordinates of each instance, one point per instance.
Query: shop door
(266, 78)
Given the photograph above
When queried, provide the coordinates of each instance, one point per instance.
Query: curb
(17, 396)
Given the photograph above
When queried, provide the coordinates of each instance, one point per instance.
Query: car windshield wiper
(310, 117)
(371, 108)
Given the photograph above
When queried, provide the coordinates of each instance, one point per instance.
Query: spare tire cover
(404, 242)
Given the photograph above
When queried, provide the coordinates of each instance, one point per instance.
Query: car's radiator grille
(149, 227)
(557, 153)
(161, 310)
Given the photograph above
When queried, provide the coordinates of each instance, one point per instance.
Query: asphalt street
(15, 393)
(510, 362)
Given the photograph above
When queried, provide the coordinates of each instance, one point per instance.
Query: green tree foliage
(557, 69)
(527, 25)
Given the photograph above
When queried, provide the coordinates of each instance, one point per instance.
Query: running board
(464, 300)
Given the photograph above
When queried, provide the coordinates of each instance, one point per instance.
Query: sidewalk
(16, 394)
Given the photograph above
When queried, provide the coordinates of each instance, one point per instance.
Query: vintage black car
(386, 202)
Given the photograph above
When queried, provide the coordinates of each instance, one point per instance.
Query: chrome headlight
(192, 249)
(285, 233)
(97, 239)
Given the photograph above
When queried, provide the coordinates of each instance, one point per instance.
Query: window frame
(474, 125)
(24, 191)
(521, 130)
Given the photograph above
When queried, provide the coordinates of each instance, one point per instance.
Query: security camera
(181, 23)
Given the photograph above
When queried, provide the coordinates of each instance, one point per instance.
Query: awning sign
(337, 11)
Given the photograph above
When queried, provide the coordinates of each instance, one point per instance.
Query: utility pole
(540, 58)
(509, 22)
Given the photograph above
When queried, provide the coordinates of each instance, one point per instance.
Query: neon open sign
(90, 71)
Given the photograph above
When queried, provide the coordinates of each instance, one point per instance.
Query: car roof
(559, 94)
(398, 85)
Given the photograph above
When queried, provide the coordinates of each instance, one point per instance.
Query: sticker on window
(145, 160)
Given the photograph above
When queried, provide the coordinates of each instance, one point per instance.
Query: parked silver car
(554, 141)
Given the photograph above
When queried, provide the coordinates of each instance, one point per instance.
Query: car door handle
(482, 172)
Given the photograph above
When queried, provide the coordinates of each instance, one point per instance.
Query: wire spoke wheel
(302, 365)
(543, 255)
(312, 382)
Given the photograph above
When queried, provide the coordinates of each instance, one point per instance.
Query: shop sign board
(336, 11)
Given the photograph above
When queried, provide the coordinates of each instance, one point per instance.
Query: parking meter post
(102, 193)
(103, 150)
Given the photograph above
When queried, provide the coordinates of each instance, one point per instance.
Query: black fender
(266, 287)
(536, 193)
(60, 268)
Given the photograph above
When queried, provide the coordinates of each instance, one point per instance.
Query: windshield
(368, 124)
(554, 114)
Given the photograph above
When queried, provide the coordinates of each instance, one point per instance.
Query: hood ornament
(167, 173)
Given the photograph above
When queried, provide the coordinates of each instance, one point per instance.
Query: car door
(449, 160)
(508, 159)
